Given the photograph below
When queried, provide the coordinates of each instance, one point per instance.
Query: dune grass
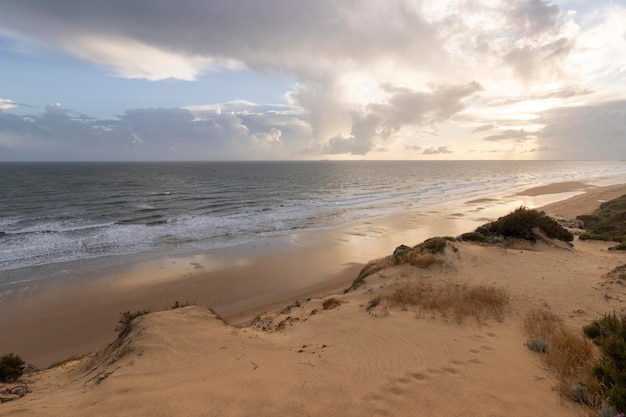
(454, 301)
(566, 352)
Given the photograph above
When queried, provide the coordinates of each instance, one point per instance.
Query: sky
(154, 80)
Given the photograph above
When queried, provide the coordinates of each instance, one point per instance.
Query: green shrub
(521, 223)
(433, 245)
(11, 368)
(608, 223)
(473, 237)
(609, 334)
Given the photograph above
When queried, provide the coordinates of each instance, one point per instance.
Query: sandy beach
(310, 360)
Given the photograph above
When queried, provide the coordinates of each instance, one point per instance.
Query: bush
(608, 223)
(521, 223)
(433, 245)
(609, 334)
(474, 237)
(11, 368)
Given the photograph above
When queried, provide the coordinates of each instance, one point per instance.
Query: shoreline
(56, 319)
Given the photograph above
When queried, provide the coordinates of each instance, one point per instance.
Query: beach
(343, 361)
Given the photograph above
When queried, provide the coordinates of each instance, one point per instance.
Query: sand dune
(304, 360)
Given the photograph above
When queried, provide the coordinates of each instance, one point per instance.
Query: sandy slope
(345, 361)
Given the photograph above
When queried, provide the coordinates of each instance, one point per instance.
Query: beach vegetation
(473, 237)
(538, 345)
(455, 301)
(331, 303)
(609, 334)
(433, 245)
(567, 352)
(421, 260)
(422, 255)
(180, 305)
(522, 223)
(126, 318)
(607, 223)
(11, 367)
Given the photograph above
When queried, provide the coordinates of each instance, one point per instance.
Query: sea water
(53, 213)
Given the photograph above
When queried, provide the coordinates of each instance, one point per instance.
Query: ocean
(54, 213)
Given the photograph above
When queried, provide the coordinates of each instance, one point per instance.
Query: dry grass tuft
(451, 300)
(370, 268)
(569, 354)
(422, 260)
(541, 324)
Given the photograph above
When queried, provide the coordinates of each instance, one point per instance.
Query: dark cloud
(519, 135)
(584, 132)
(534, 16)
(270, 35)
(530, 62)
(150, 134)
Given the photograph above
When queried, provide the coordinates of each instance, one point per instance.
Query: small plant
(538, 345)
(11, 368)
(474, 237)
(331, 303)
(126, 318)
(179, 305)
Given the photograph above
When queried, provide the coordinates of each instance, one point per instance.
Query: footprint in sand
(418, 376)
(408, 384)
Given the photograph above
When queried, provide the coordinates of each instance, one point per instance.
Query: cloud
(412, 148)
(366, 72)
(437, 151)
(129, 58)
(584, 132)
(519, 135)
(6, 104)
(483, 128)
(405, 107)
(252, 131)
(534, 16)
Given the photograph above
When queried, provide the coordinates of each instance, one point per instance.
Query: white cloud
(6, 104)
(129, 58)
